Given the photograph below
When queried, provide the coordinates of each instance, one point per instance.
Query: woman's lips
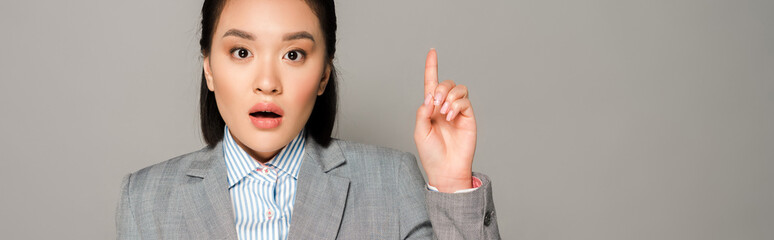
(266, 115)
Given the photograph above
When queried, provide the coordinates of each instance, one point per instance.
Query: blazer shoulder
(359, 150)
(167, 173)
(362, 157)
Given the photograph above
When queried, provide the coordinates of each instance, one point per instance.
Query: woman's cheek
(229, 93)
(306, 94)
(307, 82)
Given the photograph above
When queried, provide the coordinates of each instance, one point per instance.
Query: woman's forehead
(268, 18)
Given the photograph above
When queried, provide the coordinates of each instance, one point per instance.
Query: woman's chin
(268, 142)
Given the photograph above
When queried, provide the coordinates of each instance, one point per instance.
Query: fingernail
(445, 107)
(428, 99)
(437, 99)
(449, 116)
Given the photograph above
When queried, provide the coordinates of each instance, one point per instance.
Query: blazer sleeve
(126, 226)
(469, 215)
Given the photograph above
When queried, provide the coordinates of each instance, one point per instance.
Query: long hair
(320, 122)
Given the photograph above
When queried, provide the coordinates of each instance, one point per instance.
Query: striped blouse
(263, 194)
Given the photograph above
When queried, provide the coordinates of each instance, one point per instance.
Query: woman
(271, 169)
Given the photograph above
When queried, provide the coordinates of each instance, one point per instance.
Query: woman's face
(266, 66)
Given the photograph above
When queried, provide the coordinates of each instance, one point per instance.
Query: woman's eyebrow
(286, 37)
(298, 35)
(239, 33)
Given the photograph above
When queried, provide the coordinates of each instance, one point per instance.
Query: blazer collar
(205, 200)
(317, 211)
(320, 195)
(325, 157)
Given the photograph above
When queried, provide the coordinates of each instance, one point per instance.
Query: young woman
(271, 169)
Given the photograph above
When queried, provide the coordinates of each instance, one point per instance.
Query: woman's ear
(324, 81)
(208, 73)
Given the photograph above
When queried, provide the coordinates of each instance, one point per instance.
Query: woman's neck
(262, 157)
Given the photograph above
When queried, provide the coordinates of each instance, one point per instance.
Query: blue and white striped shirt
(263, 194)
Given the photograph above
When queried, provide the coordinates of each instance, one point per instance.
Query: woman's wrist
(451, 184)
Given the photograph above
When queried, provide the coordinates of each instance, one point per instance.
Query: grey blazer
(344, 191)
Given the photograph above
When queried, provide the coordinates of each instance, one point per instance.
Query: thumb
(424, 113)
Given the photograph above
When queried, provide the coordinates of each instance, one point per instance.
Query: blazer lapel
(205, 200)
(320, 196)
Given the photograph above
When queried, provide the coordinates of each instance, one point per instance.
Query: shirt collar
(239, 164)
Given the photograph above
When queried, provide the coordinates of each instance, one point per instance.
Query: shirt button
(266, 170)
(269, 214)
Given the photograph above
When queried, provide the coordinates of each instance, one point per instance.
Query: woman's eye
(241, 53)
(295, 55)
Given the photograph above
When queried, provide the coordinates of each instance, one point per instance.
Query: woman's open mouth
(266, 115)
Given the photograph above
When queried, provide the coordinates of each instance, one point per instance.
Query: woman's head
(267, 55)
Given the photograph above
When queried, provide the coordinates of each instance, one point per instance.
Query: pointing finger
(431, 71)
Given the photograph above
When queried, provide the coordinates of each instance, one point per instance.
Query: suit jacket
(344, 191)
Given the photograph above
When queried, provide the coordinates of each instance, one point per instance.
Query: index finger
(431, 71)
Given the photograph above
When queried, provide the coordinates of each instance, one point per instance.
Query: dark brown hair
(320, 122)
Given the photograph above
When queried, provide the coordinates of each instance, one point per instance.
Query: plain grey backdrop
(598, 119)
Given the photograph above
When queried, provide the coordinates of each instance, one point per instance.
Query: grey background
(597, 119)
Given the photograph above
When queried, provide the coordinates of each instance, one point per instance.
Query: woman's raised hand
(445, 131)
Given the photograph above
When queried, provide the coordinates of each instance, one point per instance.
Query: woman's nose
(267, 90)
(267, 81)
